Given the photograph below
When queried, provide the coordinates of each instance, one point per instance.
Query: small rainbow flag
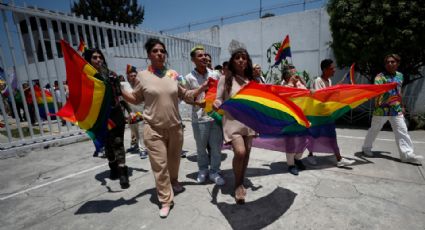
(89, 99)
(283, 52)
(130, 68)
(210, 96)
(49, 101)
(82, 46)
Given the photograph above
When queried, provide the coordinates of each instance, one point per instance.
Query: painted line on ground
(380, 139)
(57, 180)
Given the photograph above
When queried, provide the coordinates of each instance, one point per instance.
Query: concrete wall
(308, 31)
(310, 37)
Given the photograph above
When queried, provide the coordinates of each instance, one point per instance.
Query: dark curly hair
(151, 43)
(248, 72)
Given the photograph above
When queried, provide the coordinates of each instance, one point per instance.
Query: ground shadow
(105, 206)
(194, 157)
(102, 206)
(102, 176)
(259, 213)
(250, 172)
(380, 154)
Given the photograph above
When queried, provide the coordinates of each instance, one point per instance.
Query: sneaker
(102, 153)
(293, 170)
(368, 152)
(217, 179)
(202, 176)
(143, 154)
(414, 159)
(312, 160)
(344, 162)
(300, 165)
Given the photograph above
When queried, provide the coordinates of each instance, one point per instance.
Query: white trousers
(402, 138)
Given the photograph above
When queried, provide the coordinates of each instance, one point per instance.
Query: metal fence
(33, 81)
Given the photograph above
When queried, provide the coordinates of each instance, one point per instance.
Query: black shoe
(95, 154)
(300, 165)
(124, 182)
(114, 174)
(293, 170)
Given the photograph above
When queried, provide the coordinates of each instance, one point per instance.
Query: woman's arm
(129, 97)
(220, 93)
(190, 95)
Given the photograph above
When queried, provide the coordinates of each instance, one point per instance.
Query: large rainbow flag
(89, 99)
(263, 110)
(283, 52)
(321, 109)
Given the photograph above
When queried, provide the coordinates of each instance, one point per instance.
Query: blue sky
(165, 14)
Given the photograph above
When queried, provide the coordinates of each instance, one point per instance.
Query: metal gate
(32, 73)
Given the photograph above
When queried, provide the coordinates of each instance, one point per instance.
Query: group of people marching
(161, 88)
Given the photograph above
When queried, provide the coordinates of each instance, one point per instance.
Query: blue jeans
(208, 133)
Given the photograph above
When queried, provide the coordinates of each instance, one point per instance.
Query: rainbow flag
(321, 109)
(210, 96)
(49, 101)
(266, 112)
(89, 99)
(283, 52)
(130, 68)
(82, 46)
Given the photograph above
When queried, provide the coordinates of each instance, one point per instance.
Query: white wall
(310, 36)
(308, 32)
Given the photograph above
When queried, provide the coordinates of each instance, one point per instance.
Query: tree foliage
(364, 31)
(123, 11)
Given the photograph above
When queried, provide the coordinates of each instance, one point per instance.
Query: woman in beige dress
(236, 133)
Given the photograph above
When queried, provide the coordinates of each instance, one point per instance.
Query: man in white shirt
(208, 134)
(324, 81)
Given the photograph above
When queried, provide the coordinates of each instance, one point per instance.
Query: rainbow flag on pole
(89, 99)
(352, 74)
(283, 52)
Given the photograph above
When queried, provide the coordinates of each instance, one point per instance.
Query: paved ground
(66, 188)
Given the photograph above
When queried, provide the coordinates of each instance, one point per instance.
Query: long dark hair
(248, 72)
(89, 53)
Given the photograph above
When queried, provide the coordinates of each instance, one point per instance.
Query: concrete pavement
(66, 188)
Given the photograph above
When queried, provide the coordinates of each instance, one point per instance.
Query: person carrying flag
(114, 143)
(205, 130)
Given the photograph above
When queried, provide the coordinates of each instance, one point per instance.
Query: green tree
(364, 31)
(123, 11)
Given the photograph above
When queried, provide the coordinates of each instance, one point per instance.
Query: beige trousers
(164, 147)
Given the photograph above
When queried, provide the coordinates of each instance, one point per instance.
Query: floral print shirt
(389, 103)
